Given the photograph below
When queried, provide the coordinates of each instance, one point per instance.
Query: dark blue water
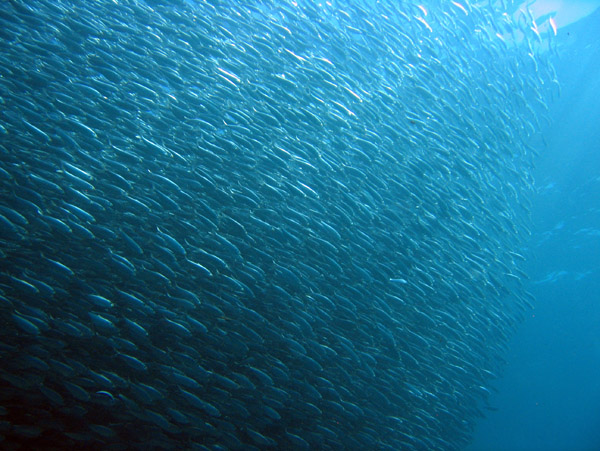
(549, 395)
(294, 225)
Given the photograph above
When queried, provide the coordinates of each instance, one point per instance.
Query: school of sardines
(260, 225)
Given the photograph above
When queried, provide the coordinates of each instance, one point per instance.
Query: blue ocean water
(285, 225)
(549, 395)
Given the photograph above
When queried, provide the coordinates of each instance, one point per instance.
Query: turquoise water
(270, 225)
(548, 397)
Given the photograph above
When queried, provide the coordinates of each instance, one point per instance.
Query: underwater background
(549, 396)
(296, 225)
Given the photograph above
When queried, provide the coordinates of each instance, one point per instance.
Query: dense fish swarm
(260, 225)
